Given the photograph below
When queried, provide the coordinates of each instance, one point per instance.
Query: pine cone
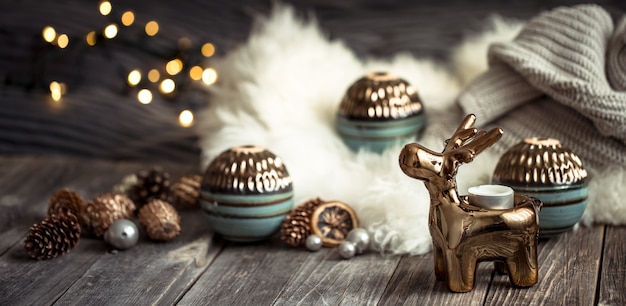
(102, 211)
(54, 236)
(160, 220)
(186, 192)
(151, 184)
(65, 201)
(297, 225)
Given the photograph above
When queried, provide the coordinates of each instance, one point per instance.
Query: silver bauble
(347, 249)
(361, 238)
(122, 234)
(313, 243)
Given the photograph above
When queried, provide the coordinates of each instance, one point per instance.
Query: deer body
(464, 234)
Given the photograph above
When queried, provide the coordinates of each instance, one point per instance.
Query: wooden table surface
(584, 267)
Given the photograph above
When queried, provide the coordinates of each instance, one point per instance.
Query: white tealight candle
(491, 196)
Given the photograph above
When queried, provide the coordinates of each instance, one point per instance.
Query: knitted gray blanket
(563, 76)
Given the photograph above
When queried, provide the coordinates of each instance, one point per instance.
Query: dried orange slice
(332, 221)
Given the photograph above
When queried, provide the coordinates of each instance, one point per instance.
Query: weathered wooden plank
(613, 275)
(149, 273)
(414, 283)
(335, 281)
(25, 281)
(24, 193)
(250, 274)
(272, 273)
(568, 272)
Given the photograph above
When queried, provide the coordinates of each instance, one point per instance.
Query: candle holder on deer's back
(463, 233)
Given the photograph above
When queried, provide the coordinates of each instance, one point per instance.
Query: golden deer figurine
(464, 234)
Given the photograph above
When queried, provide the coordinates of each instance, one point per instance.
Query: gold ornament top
(246, 170)
(540, 162)
(380, 96)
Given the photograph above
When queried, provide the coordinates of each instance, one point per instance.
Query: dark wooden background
(100, 118)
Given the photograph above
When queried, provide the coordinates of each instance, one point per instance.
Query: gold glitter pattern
(247, 170)
(540, 162)
(380, 96)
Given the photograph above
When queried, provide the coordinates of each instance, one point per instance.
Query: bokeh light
(56, 90)
(208, 49)
(144, 96)
(91, 38)
(154, 75)
(184, 43)
(209, 76)
(134, 77)
(167, 86)
(63, 40)
(152, 28)
(128, 18)
(195, 73)
(185, 118)
(110, 31)
(174, 66)
(105, 8)
(49, 34)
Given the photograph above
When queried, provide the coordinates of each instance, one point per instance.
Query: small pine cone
(151, 184)
(125, 185)
(160, 220)
(297, 225)
(65, 201)
(54, 236)
(102, 211)
(186, 192)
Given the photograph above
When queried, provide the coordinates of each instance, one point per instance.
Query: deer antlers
(465, 144)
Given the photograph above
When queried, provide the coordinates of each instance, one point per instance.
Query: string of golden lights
(164, 78)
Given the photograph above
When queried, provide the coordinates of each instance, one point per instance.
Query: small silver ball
(347, 249)
(122, 234)
(361, 238)
(313, 243)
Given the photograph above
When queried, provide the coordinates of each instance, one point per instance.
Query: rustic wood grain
(336, 281)
(273, 273)
(149, 273)
(35, 178)
(613, 277)
(24, 190)
(414, 283)
(25, 281)
(250, 274)
(199, 269)
(568, 272)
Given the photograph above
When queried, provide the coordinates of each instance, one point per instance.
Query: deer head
(438, 170)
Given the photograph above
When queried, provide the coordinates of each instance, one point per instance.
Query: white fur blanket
(282, 89)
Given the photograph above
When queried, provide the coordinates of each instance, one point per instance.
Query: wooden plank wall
(100, 116)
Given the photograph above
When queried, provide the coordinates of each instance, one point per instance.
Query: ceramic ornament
(545, 169)
(378, 111)
(246, 193)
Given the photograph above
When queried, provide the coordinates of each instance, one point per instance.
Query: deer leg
(523, 268)
(468, 269)
(455, 273)
(440, 263)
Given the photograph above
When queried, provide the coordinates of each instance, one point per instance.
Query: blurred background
(121, 80)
